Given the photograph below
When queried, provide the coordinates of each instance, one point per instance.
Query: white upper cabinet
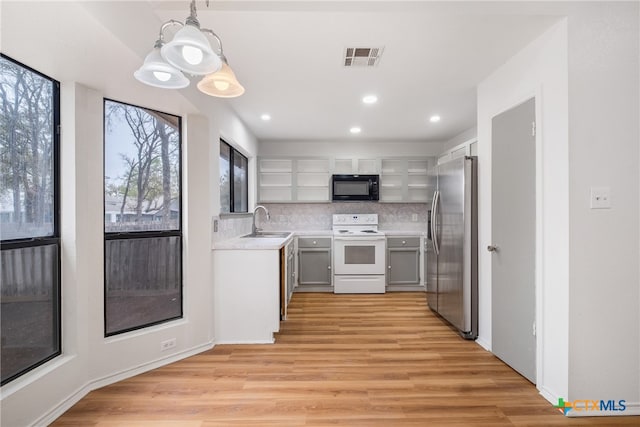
(275, 180)
(405, 180)
(356, 166)
(308, 180)
(312, 180)
(417, 179)
(293, 180)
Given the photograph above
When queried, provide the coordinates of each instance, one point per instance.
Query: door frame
(539, 223)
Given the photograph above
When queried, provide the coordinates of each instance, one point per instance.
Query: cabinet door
(403, 266)
(312, 180)
(314, 266)
(275, 180)
(368, 166)
(290, 276)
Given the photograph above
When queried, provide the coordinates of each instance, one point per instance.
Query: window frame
(127, 235)
(232, 153)
(54, 238)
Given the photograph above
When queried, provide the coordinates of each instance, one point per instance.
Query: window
(142, 217)
(233, 169)
(29, 219)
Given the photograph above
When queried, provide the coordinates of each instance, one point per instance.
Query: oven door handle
(358, 239)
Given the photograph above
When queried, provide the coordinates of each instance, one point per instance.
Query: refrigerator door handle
(434, 222)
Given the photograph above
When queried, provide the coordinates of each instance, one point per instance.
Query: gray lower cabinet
(403, 260)
(314, 261)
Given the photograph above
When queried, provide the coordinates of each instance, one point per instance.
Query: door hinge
(59, 129)
(533, 128)
(534, 329)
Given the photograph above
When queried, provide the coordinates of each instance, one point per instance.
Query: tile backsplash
(317, 216)
(232, 226)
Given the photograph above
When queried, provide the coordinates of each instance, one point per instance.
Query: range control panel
(355, 219)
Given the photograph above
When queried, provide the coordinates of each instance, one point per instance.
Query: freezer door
(431, 257)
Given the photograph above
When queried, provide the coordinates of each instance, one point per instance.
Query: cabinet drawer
(403, 242)
(314, 242)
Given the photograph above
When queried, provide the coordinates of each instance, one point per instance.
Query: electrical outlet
(215, 224)
(414, 217)
(166, 345)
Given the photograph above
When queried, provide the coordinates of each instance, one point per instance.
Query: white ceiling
(288, 55)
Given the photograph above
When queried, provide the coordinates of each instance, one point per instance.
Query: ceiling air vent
(362, 56)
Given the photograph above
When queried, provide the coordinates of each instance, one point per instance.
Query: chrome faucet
(255, 229)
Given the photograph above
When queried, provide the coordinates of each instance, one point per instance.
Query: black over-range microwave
(355, 187)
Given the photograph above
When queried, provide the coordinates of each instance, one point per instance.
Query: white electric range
(358, 254)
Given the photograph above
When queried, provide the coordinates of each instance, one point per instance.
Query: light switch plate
(600, 198)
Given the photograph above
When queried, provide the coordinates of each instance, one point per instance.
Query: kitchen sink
(269, 234)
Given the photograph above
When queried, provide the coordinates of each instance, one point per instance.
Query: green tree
(154, 159)
(26, 143)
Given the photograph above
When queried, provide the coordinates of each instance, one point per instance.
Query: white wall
(604, 115)
(539, 70)
(352, 148)
(584, 74)
(53, 46)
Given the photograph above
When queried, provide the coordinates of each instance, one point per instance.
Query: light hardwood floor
(363, 360)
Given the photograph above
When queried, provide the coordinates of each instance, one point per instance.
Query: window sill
(235, 215)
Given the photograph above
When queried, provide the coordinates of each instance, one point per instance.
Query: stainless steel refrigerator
(452, 249)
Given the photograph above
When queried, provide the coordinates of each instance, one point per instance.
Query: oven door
(359, 255)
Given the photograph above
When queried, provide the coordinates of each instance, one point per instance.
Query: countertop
(253, 243)
(402, 233)
(269, 243)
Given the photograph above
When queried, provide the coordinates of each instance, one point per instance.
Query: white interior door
(513, 222)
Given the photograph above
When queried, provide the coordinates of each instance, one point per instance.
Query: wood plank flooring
(349, 360)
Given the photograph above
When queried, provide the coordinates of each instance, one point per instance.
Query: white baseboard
(267, 341)
(484, 344)
(548, 395)
(74, 398)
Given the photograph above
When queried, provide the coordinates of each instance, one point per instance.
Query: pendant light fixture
(156, 72)
(189, 52)
(222, 83)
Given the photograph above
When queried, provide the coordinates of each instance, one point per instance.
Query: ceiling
(289, 57)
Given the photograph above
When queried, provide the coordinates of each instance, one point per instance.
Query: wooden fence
(143, 266)
(132, 267)
(29, 272)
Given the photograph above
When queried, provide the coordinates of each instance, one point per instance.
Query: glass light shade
(222, 84)
(190, 51)
(156, 72)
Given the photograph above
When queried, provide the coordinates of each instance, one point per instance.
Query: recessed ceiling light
(355, 129)
(265, 117)
(370, 99)
(434, 119)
